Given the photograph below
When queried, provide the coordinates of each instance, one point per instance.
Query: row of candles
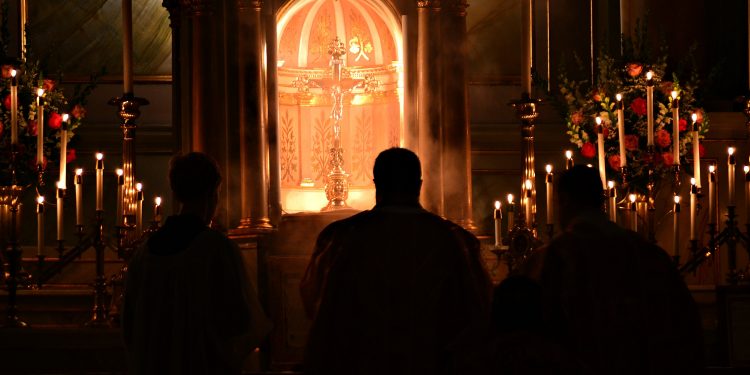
(78, 182)
(632, 220)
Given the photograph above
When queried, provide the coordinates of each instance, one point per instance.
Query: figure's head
(579, 190)
(398, 176)
(194, 178)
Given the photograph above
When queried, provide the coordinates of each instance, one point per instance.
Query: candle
(527, 202)
(712, 217)
(526, 45)
(676, 225)
(39, 127)
(675, 128)
(511, 212)
(157, 210)
(139, 209)
(696, 152)
(548, 183)
(612, 201)
(600, 146)
(633, 213)
(13, 107)
(99, 181)
(621, 130)
(78, 182)
(60, 213)
(127, 46)
(731, 174)
(120, 194)
(39, 225)
(498, 223)
(650, 107)
(64, 151)
(568, 159)
(693, 207)
(747, 192)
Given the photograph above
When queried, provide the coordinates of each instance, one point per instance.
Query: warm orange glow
(497, 205)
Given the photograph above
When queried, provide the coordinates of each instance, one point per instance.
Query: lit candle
(13, 107)
(39, 225)
(78, 182)
(731, 161)
(712, 217)
(693, 207)
(568, 159)
(612, 201)
(120, 194)
(498, 223)
(157, 210)
(99, 181)
(600, 146)
(64, 151)
(39, 127)
(633, 213)
(676, 225)
(139, 209)
(60, 213)
(511, 212)
(747, 192)
(696, 152)
(650, 107)
(675, 128)
(549, 186)
(621, 129)
(127, 46)
(527, 202)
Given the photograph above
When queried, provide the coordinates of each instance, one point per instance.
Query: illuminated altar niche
(372, 121)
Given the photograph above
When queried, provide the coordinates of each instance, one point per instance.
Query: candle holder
(99, 312)
(625, 185)
(676, 182)
(651, 208)
(80, 233)
(13, 254)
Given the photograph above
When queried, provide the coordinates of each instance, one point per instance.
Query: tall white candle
(747, 193)
(498, 224)
(127, 46)
(139, 209)
(569, 159)
(78, 182)
(696, 152)
(675, 128)
(712, 217)
(612, 194)
(527, 202)
(650, 107)
(60, 213)
(600, 151)
(550, 195)
(64, 151)
(693, 207)
(13, 107)
(120, 195)
(731, 162)
(157, 210)
(621, 130)
(676, 226)
(39, 127)
(633, 213)
(39, 225)
(511, 212)
(99, 181)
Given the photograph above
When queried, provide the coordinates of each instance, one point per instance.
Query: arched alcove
(373, 111)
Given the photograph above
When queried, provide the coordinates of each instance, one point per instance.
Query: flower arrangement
(583, 102)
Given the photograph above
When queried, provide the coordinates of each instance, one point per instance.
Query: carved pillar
(428, 104)
(455, 118)
(202, 70)
(173, 7)
(253, 118)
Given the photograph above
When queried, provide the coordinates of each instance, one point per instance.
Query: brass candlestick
(99, 311)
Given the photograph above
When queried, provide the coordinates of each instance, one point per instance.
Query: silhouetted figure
(396, 289)
(616, 301)
(189, 307)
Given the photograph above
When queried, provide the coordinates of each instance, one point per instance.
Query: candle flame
(139, 186)
(13, 73)
(694, 116)
(99, 156)
(632, 198)
(610, 184)
(497, 205)
(692, 181)
(119, 171)
(65, 117)
(649, 74)
(528, 184)
(598, 120)
(589, 165)
(548, 168)
(510, 198)
(157, 200)
(674, 94)
(730, 150)
(79, 171)
(60, 184)
(569, 154)
(40, 199)
(618, 96)
(746, 169)
(711, 168)
(676, 199)
(39, 92)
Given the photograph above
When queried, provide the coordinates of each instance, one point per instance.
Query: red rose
(55, 120)
(631, 142)
(683, 125)
(667, 158)
(701, 150)
(6, 71)
(48, 85)
(614, 162)
(6, 102)
(638, 106)
(78, 111)
(634, 69)
(663, 139)
(32, 128)
(596, 96)
(588, 150)
(71, 155)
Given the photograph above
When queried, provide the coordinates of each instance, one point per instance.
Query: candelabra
(99, 312)
(13, 254)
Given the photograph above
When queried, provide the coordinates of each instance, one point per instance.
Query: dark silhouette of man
(614, 300)
(189, 307)
(396, 289)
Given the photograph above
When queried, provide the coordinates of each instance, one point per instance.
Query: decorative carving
(362, 149)
(288, 149)
(322, 142)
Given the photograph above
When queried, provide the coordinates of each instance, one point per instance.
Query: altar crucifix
(337, 184)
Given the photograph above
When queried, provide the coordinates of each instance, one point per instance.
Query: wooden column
(428, 104)
(253, 117)
(173, 8)
(274, 194)
(456, 153)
